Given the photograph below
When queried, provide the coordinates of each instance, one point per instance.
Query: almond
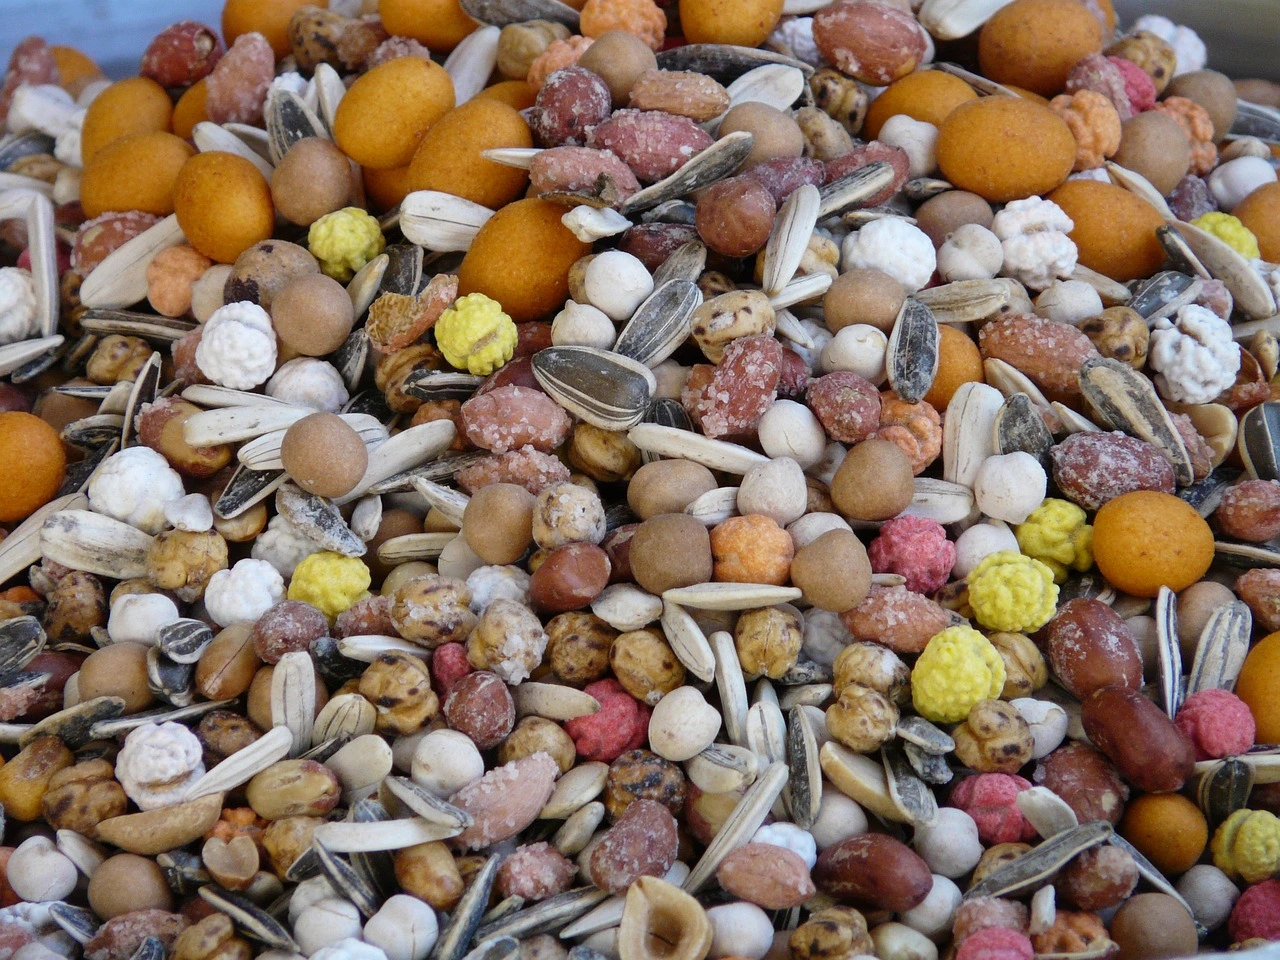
(769, 876)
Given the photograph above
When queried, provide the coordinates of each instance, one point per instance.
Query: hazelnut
(862, 719)
(994, 739)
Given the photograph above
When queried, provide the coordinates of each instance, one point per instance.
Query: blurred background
(1241, 34)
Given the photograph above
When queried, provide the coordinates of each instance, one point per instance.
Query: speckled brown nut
(228, 664)
(1119, 333)
(603, 455)
(872, 665)
(128, 882)
(82, 796)
(875, 481)
(670, 550)
(223, 732)
(994, 739)
(117, 670)
(117, 358)
(578, 645)
(76, 603)
(643, 775)
(287, 839)
(293, 788)
(184, 560)
(831, 934)
(1025, 671)
(667, 486)
(768, 641)
(862, 719)
(833, 571)
(537, 734)
(429, 872)
(399, 687)
(25, 779)
(645, 665)
(433, 610)
(263, 269)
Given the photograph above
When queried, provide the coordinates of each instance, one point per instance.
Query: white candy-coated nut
(671, 378)
(238, 346)
(445, 762)
(978, 542)
(682, 725)
(206, 293)
(490, 583)
(309, 891)
(1048, 723)
(933, 915)
(824, 636)
(900, 249)
(244, 592)
(1034, 235)
(1209, 893)
(133, 486)
(136, 617)
(970, 252)
(616, 283)
(624, 606)
(897, 941)
(582, 325)
(791, 837)
(326, 922)
(192, 513)
(813, 525)
(158, 762)
(284, 545)
(1068, 301)
(404, 928)
(39, 873)
(739, 930)
(1009, 486)
(950, 844)
(858, 348)
(839, 817)
(917, 138)
(309, 382)
(17, 305)
(775, 489)
(790, 429)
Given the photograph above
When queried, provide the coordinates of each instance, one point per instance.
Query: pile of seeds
(501, 479)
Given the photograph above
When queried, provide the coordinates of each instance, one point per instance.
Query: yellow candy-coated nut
(344, 241)
(1230, 231)
(958, 668)
(1012, 592)
(1057, 535)
(1247, 845)
(330, 582)
(475, 335)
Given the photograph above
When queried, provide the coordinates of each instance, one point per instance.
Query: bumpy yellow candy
(344, 241)
(1057, 535)
(1010, 592)
(1230, 231)
(958, 668)
(475, 335)
(330, 582)
(1247, 845)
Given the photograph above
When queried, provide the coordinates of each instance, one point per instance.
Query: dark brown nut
(266, 268)
(847, 405)
(399, 687)
(1090, 647)
(117, 358)
(25, 779)
(293, 788)
(578, 645)
(1119, 333)
(836, 933)
(433, 610)
(653, 144)
(606, 456)
(873, 42)
(996, 856)
(1098, 878)
(1050, 353)
(222, 733)
(314, 34)
(872, 665)
(1250, 511)
(569, 578)
(1137, 736)
(1092, 468)
(874, 870)
(1260, 589)
(121, 936)
(570, 103)
(429, 872)
(181, 54)
(862, 719)
(508, 640)
(643, 775)
(184, 561)
(645, 665)
(160, 427)
(213, 938)
(734, 216)
(539, 735)
(535, 871)
(519, 44)
(228, 664)
(1025, 671)
(642, 843)
(82, 796)
(768, 641)
(480, 705)
(287, 839)
(1086, 779)
(767, 875)
(288, 627)
(994, 738)
(840, 98)
(76, 604)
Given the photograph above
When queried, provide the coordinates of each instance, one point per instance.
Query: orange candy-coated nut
(521, 258)
(1259, 687)
(1168, 829)
(267, 17)
(449, 160)
(1146, 539)
(641, 17)
(136, 105)
(744, 22)
(386, 113)
(440, 24)
(751, 549)
(223, 205)
(959, 361)
(1035, 43)
(191, 108)
(1260, 212)
(927, 95)
(558, 55)
(33, 466)
(1005, 148)
(1115, 230)
(134, 173)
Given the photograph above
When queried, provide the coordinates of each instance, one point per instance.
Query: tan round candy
(498, 522)
(127, 882)
(313, 315)
(776, 133)
(863, 295)
(874, 482)
(619, 57)
(670, 550)
(943, 214)
(667, 486)
(117, 670)
(833, 571)
(1196, 605)
(324, 455)
(1152, 926)
(1153, 145)
(313, 178)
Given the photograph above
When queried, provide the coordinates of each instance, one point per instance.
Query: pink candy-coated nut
(742, 387)
(571, 169)
(652, 143)
(859, 157)
(784, 175)
(527, 467)
(535, 872)
(570, 102)
(1098, 73)
(96, 239)
(1138, 85)
(869, 41)
(31, 63)
(1218, 723)
(1256, 915)
(512, 417)
(181, 54)
(995, 943)
(988, 913)
(991, 799)
(915, 547)
(621, 725)
(847, 405)
(898, 618)
(449, 664)
(238, 85)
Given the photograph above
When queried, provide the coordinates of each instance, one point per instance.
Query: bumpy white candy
(133, 486)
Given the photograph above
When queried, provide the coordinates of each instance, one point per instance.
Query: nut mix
(583, 603)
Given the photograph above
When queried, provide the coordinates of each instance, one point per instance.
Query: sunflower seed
(21, 641)
(16, 146)
(714, 506)
(941, 501)
(684, 444)
(980, 83)
(236, 424)
(732, 687)
(792, 229)
(250, 919)
(686, 263)
(724, 61)
(1250, 292)
(777, 84)
(79, 924)
(1073, 422)
(289, 120)
(853, 189)
(414, 546)
(243, 765)
(150, 949)
(466, 916)
(1224, 789)
(344, 877)
(953, 19)
(472, 61)
(14, 355)
(245, 489)
(722, 768)
(169, 680)
(1139, 186)
(963, 301)
(74, 724)
(1259, 441)
(929, 767)
(293, 698)
(329, 93)
(109, 729)
(406, 450)
(1047, 812)
(707, 166)
(968, 435)
(1168, 651)
(605, 389)
(499, 13)
(1009, 380)
(687, 641)
(1019, 428)
(1161, 294)
(859, 777)
(37, 211)
(1036, 866)
(740, 826)
(90, 432)
(1128, 401)
(730, 596)
(1247, 555)
(95, 543)
(347, 714)
(340, 837)
(660, 324)
(210, 137)
(319, 519)
(441, 222)
(22, 548)
(1221, 648)
(766, 732)
(427, 806)
(912, 797)
(925, 735)
(450, 503)
(803, 793)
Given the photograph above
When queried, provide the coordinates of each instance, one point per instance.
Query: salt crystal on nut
(136, 617)
(158, 762)
(790, 837)
(1009, 486)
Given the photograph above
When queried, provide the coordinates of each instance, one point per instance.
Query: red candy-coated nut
(621, 725)
(847, 405)
(915, 547)
(1256, 915)
(96, 239)
(480, 706)
(569, 578)
(1218, 723)
(1250, 511)
(449, 664)
(996, 943)
(739, 389)
(181, 54)
(991, 799)
(569, 103)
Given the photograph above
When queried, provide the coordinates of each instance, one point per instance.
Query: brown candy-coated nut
(833, 571)
(874, 870)
(399, 687)
(1089, 647)
(671, 550)
(228, 664)
(223, 732)
(498, 522)
(872, 665)
(1086, 780)
(643, 775)
(1025, 671)
(117, 670)
(767, 875)
(768, 641)
(994, 738)
(874, 482)
(25, 779)
(578, 645)
(538, 734)
(288, 627)
(866, 295)
(643, 842)
(127, 882)
(117, 358)
(184, 561)
(645, 665)
(667, 486)
(287, 839)
(429, 872)
(1154, 925)
(604, 455)
(76, 603)
(1119, 333)
(1098, 878)
(293, 788)
(433, 610)
(862, 719)
(82, 796)
(835, 933)
(569, 578)
(480, 705)
(1137, 736)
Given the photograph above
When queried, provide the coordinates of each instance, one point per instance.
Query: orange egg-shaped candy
(75, 69)
(32, 467)
(744, 22)
(1115, 230)
(267, 17)
(134, 173)
(136, 105)
(440, 24)
(1035, 43)
(192, 108)
(1145, 540)
(1005, 148)
(1259, 686)
(927, 95)
(521, 258)
(386, 113)
(385, 188)
(1260, 212)
(223, 205)
(449, 157)
(514, 93)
